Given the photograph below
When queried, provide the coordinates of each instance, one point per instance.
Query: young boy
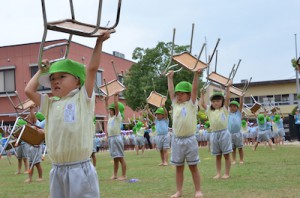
(184, 143)
(263, 132)
(35, 152)
(234, 127)
(140, 140)
(161, 121)
(115, 139)
(69, 123)
(220, 138)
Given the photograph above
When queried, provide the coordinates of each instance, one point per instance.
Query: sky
(259, 32)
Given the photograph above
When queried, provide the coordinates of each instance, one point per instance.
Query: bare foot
(217, 177)
(198, 194)
(241, 162)
(165, 164)
(233, 162)
(28, 180)
(177, 194)
(17, 173)
(225, 176)
(160, 164)
(39, 179)
(113, 177)
(122, 178)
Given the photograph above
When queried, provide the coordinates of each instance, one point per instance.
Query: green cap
(120, 106)
(68, 66)
(261, 118)
(217, 94)
(183, 86)
(21, 122)
(268, 118)
(276, 118)
(160, 110)
(40, 116)
(207, 125)
(236, 103)
(244, 123)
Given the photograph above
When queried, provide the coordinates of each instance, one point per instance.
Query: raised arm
(227, 97)
(32, 117)
(195, 85)
(92, 68)
(166, 113)
(241, 103)
(116, 99)
(150, 113)
(171, 85)
(202, 101)
(106, 104)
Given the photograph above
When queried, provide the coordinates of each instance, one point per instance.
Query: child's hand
(45, 65)
(106, 98)
(170, 74)
(199, 71)
(103, 37)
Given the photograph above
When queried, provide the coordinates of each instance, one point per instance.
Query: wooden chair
(156, 99)
(22, 107)
(73, 27)
(112, 87)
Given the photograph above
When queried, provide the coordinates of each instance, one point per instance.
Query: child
(35, 152)
(161, 121)
(184, 143)
(281, 132)
(245, 131)
(220, 138)
(234, 127)
(22, 152)
(115, 139)
(263, 132)
(140, 140)
(69, 123)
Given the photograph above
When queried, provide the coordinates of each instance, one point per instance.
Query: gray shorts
(184, 149)
(35, 154)
(76, 180)
(163, 142)
(140, 141)
(198, 137)
(220, 142)
(237, 140)
(263, 136)
(281, 132)
(22, 151)
(116, 146)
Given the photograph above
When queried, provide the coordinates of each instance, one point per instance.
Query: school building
(18, 63)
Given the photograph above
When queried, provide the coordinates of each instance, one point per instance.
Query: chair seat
(77, 28)
(30, 135)
(236, 91)
(255, 108)
(222, 80)
(25, 105)
(156, 99)
(188, 61)
(112, 87)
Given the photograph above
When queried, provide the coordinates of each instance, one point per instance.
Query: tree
(145, 75)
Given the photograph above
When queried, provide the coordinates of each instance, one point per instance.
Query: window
(285, 99)
(248, 101)
(7, 80)
(120, 79)
(33, 70)
(98, 83)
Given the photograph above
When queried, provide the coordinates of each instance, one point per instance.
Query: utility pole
(297, 73)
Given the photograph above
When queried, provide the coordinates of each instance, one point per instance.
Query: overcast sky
(260, 32)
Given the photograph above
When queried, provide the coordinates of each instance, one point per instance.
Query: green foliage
(145, 75)
(294, 63)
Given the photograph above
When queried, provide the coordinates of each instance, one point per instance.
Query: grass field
(265, 173)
